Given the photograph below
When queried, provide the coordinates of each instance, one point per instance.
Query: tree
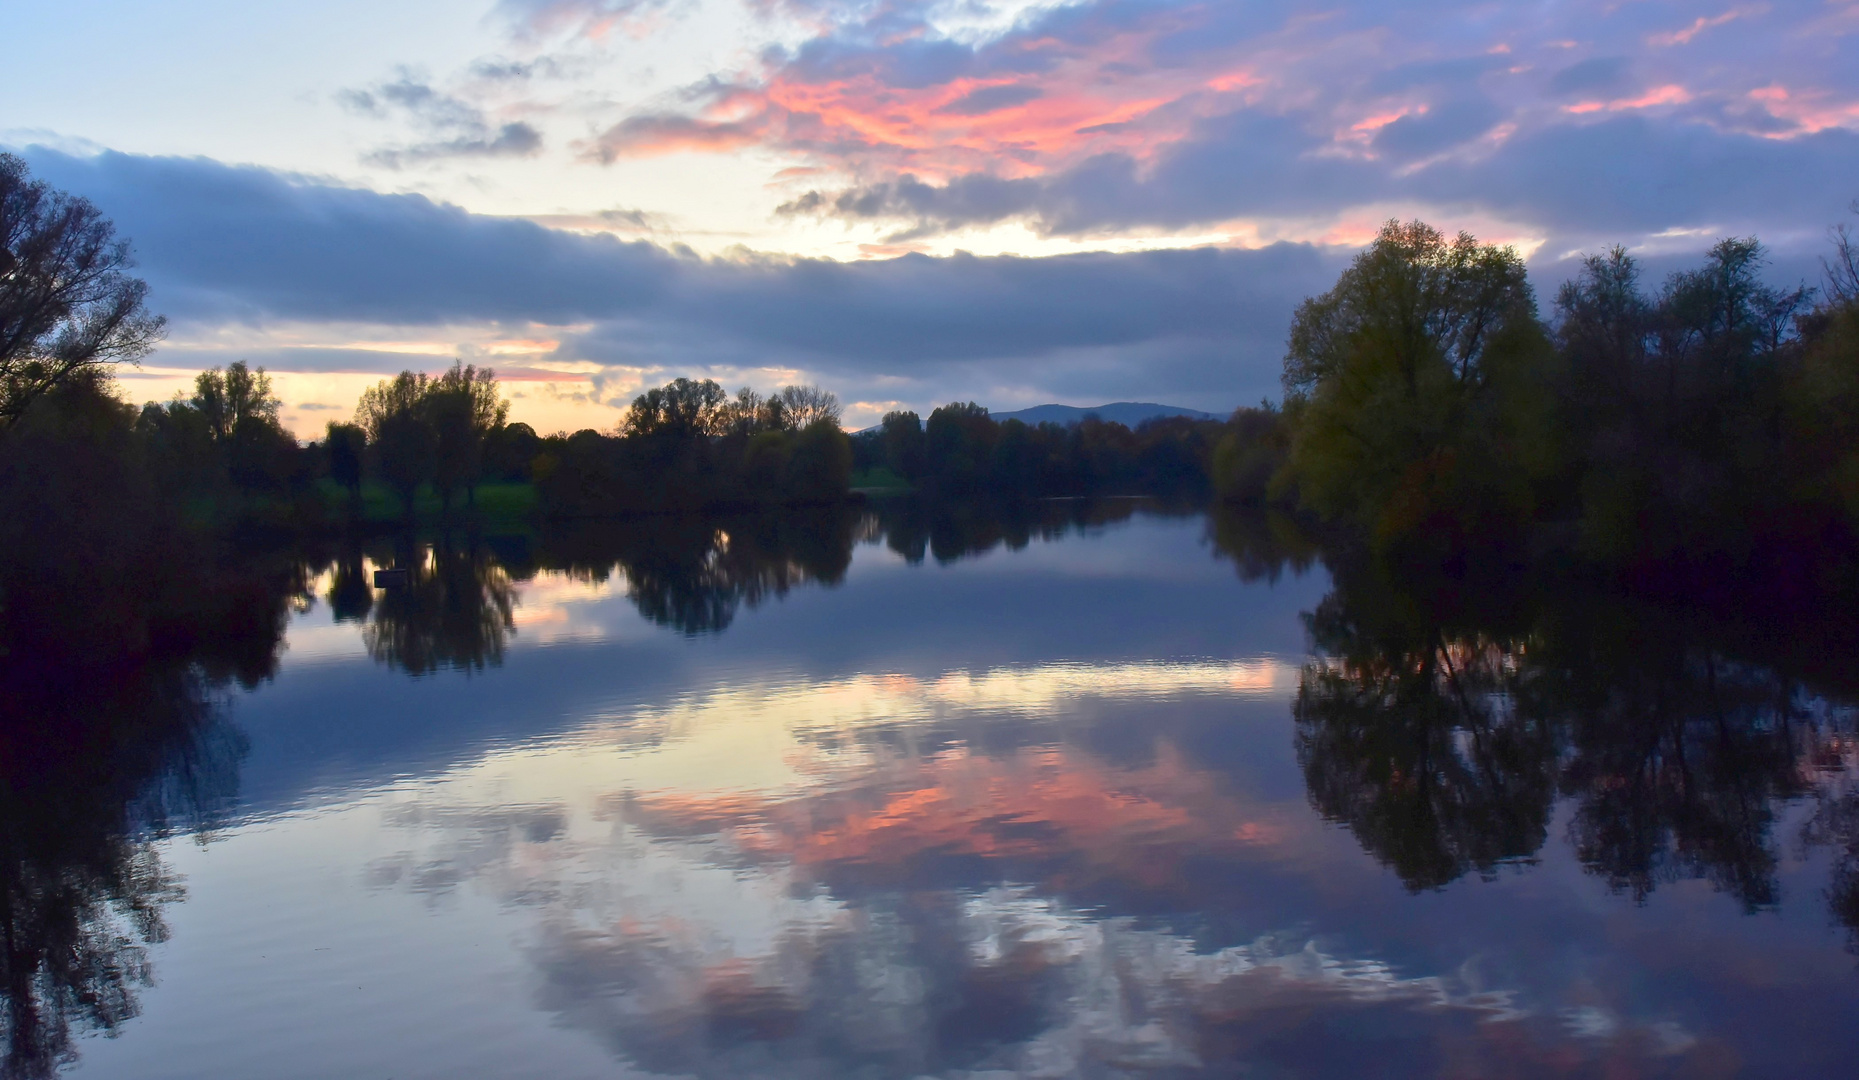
(1413, 379)
(67, 304)
(239, 396)
(819, 466)
(510, 450)
(400, 433)
(959, 442)
(464, 408)
(681, 408)
(804, 406)
(904, 451)
(346, 444)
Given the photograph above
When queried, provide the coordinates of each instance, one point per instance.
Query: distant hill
(1127, 413)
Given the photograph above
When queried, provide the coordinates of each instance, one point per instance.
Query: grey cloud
(516, 139)
(461, 129)
(220, 242)
(495, 70)
(1201, 328)
(1455, 72)
(1597, 75)
(1439, 128)
(533, 18)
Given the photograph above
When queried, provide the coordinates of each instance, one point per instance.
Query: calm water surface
(1088, 807)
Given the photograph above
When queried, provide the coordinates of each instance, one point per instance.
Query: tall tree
(902, 436)
(238, 396)
(67, 305)
(681, 408)
(400, 433)
(804, 406)
(345, 444)
(1409, 382)
(464, 407)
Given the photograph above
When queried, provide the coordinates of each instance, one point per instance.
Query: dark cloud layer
(221, 243)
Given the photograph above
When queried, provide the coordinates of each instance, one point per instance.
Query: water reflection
(113, 736)
(454, 612)
(885, 860)
(909, 903)
(694, 574)
(1441, 725)
(951, 531)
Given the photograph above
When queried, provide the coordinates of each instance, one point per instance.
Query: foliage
(1407, 380)
(687, 446)
(68, 307)
(963, 453)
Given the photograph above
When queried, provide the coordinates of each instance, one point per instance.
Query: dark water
(900, 796)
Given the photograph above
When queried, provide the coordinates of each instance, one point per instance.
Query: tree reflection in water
(455, 611)
(694, 574)
(112, 737)
(1445, 715)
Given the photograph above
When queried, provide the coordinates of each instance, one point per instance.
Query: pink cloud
(1671, 94)
(1701, 24)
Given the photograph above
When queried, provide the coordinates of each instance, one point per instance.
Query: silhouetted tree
(345, 445)
(682, 409)
(238, 397)
(464, 407)
(67, 303)
(400, 433)
(904, 448)
(803, 406)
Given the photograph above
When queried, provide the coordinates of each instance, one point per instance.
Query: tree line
(963, 453)
(1676, 434)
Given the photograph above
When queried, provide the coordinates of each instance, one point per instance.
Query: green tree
(1417, 387)
(67, 304)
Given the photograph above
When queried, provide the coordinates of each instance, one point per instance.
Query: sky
(906, 202)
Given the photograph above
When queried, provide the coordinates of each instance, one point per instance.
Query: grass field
(493, 502)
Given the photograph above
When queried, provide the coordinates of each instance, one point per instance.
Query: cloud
(240, 255)
(230, 246)
(597, 19)
(1629, 175)
(989, 99)
(1438, 129)
(1700, 24)
(1595, 75)
(1108, 115)
(460, 129)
